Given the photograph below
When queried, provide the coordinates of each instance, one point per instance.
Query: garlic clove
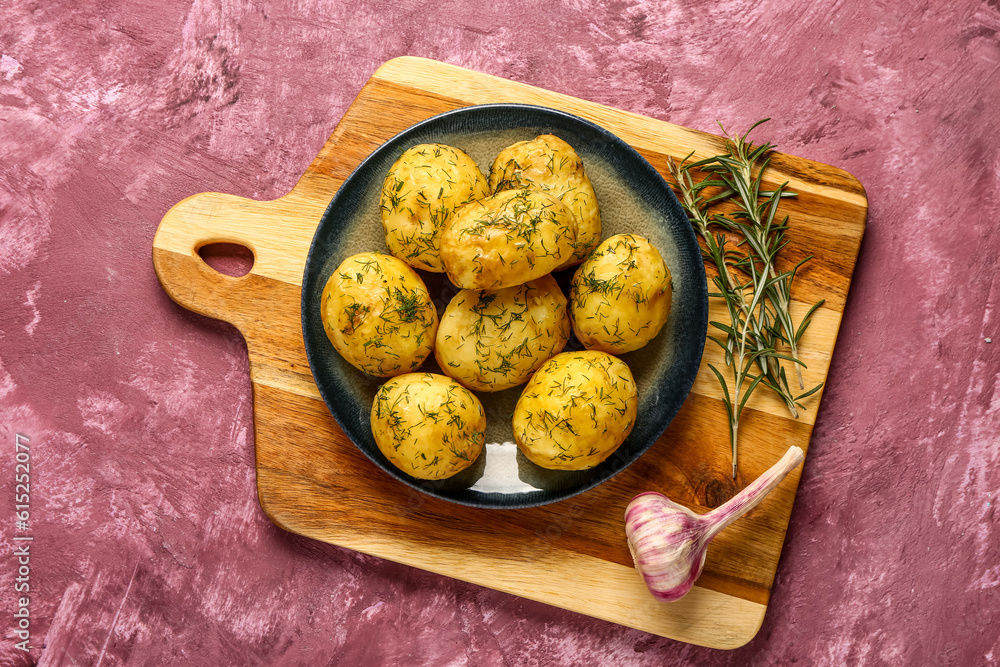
(669, 542)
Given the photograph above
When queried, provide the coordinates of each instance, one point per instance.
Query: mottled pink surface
(149, 545)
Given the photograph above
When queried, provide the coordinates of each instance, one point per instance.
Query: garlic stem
(669, 542)
(756, 491)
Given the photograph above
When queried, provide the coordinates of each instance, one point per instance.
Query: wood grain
(313, 481)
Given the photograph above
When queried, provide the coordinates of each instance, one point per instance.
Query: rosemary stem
(734, 426)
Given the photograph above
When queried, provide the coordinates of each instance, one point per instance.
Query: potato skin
(494, 340)
(421, 191)
(576, 410)
(378, 314)
(620, 297)
(428, 425)
(507, 239)
(549, 164)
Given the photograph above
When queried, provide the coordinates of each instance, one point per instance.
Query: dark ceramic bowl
(633, 198)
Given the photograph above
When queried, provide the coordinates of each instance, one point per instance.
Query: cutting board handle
(213, 217)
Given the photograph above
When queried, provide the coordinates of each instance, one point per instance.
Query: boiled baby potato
(494, 340)
(576, 410)
(378, 314)
(507, 239)
(550, 164)
(421, 191)
(428, 425)
(620, 297)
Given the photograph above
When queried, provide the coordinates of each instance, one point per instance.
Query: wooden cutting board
(313, 481)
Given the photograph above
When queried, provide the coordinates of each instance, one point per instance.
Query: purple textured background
(150, 547)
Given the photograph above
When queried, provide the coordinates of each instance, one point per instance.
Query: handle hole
(231, 259)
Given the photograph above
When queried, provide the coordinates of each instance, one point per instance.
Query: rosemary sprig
(757, 296)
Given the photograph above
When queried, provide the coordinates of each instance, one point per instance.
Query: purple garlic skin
(669, 542)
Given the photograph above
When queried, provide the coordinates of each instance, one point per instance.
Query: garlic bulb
(669, 542)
